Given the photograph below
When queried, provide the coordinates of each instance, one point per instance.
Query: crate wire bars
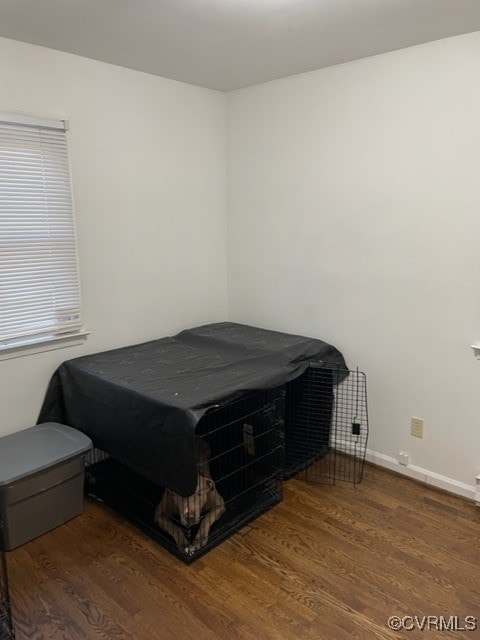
(317, 424)
(326, 425)
(6, 625)
(240, 458)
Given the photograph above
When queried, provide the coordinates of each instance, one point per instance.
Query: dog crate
(6, 626)
(239, 450)
(326, 425)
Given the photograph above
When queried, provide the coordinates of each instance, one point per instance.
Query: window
(39, 280)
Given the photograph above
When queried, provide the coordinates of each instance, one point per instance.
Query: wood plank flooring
(329, 563)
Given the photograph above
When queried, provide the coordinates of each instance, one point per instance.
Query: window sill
(44, 344)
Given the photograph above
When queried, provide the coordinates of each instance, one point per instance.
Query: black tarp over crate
(326, 425)
(244, 440)
(144, 405)
(6, 626)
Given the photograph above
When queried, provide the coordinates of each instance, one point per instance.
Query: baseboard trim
(424, 475)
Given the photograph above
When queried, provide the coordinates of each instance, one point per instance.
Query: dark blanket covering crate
(141, 404)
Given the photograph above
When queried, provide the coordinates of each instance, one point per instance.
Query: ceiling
(229, 44)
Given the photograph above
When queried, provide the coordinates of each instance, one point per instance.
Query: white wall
(148, 167)
(353, 216)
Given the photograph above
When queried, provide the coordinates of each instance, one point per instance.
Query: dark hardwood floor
(328, 563)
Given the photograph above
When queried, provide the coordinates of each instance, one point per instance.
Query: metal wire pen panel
(308, 417)
(326, 425)
(239, 450)
(6, 625)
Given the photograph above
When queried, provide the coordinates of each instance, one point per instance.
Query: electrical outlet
(416, 427)
(403, 458)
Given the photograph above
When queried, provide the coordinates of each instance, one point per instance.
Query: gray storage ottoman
(41, 480)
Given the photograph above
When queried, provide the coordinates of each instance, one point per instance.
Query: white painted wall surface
(148, 170)
(353, 198)
(353, 216)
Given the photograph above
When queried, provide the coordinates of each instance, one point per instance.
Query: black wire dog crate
(326, 425)
(6, 626)
(239, 449)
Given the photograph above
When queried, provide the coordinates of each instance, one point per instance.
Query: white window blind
(39, 280)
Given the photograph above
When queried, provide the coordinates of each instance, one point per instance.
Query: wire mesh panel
(239, 450)
(6, 626)
(308, 417)
(326, 425)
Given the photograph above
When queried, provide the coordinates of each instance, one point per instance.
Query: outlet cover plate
(416, 427)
